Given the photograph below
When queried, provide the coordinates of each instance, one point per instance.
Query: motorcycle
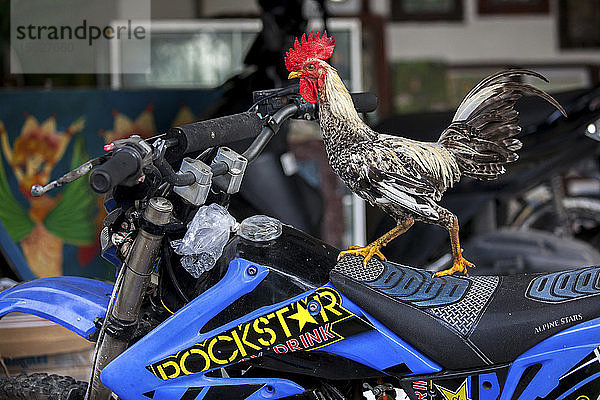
(277, 316)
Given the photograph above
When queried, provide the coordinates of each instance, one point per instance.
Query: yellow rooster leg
(374, 249)
(366, 252)
(459, 264)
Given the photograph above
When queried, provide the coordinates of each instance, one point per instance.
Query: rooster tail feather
(482, 134)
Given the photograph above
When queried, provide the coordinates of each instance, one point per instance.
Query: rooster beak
(294, 74)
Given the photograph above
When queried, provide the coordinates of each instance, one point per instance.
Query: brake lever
(83, 169)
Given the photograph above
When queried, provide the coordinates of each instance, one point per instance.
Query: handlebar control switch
(236, 164)
(142, 150)
(197, 192)
(125, 166)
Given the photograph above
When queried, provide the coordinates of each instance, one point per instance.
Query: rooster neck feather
(338, 117)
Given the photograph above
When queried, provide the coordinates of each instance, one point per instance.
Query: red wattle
(308, 91)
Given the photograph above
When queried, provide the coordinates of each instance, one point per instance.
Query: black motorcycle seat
(469, 322)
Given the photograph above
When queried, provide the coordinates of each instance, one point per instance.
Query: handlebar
(126, 163)
(269, 130)
(201, 135)
(123, 164)
(133, 155)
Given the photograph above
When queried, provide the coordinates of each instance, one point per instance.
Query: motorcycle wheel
(584, 218)
(41, 386)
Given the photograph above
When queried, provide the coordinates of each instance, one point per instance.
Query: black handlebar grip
(123, 164)
(364, 102)
(201, 135)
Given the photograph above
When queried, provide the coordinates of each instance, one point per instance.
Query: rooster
(403, 177)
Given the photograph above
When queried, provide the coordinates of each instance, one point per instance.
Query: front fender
(72, 302)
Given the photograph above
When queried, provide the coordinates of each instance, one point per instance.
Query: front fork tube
(121, 319)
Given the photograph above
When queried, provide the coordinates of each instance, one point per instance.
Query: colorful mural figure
(144, 125)
(123, 126)
(184, 116)
(58, 233)
(48, 222)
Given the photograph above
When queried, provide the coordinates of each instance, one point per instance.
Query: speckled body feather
(405, 177)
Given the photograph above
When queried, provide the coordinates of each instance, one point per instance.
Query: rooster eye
(310, 67)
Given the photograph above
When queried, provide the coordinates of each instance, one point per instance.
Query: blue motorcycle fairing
(556, 355)
(162, 358)
(127, 375)
(487, 392)
(380, 348)
(72, 302)
(199, 387)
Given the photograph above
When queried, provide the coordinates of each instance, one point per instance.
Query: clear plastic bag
(206, 236)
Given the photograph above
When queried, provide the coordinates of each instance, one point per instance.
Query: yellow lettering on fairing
(161, 371)
(190, 352)
(153, 370)
(170, 364)
(245, 338)
(267, 330)
(238, 343)
(260, 334)
(279, 314)
(332, 305)
(211, 345)
(322, 312)
(204, 355)
(234, 354)
(182, 363)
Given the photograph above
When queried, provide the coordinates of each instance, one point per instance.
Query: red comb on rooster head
(305, 61)
(311, 47)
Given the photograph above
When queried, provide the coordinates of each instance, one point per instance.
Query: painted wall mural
(43, 134)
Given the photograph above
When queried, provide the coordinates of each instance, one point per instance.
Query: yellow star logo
(302, 316)
(460, 394)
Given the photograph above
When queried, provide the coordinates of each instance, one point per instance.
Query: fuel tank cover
(260, 228)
